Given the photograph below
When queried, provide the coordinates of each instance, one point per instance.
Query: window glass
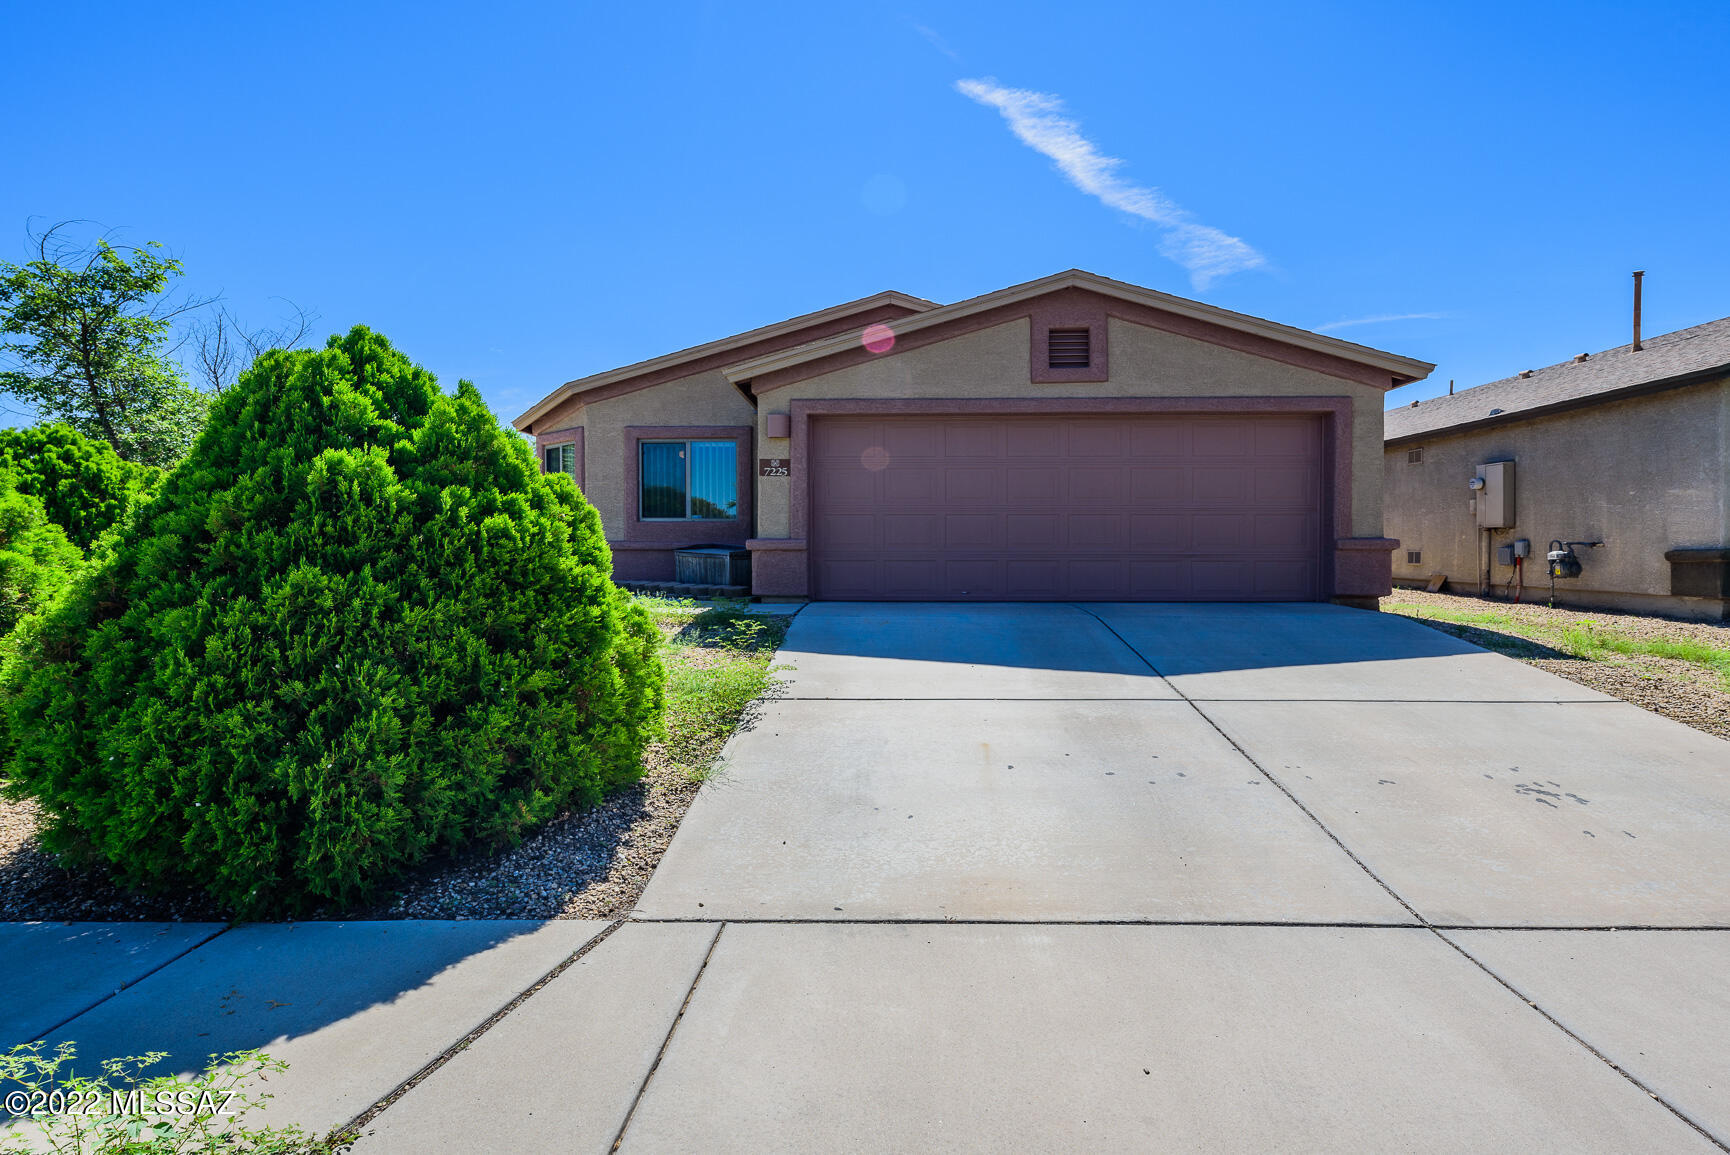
(689, 480)
(562, 459)
(714, 479)
(663, 478)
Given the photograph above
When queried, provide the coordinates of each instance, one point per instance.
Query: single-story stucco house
(1072, 438)
(1629, 447)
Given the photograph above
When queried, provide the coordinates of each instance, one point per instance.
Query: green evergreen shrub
(83, 484)
(356, 626)
(36, 559)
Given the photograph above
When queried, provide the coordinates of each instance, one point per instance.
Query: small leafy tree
(356, 626)
(91, 329)
(84, 486)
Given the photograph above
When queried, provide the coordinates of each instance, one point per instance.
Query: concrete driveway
(1046, 877)
(1052, 877)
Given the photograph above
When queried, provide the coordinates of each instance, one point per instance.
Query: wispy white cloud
(935, 40)
(1383, 318)
(1037, 120)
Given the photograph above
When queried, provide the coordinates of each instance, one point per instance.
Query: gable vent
(1068, 349)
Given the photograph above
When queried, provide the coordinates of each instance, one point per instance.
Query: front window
(689, 480)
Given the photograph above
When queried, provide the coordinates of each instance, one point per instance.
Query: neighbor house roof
(570, 389)
(1666, 361)
(1401, 369)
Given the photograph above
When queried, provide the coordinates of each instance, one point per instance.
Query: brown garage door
(1133, 507)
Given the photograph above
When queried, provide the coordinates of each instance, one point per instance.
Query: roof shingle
(1686, 351)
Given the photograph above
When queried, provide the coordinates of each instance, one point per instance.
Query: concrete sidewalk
(1054, 877)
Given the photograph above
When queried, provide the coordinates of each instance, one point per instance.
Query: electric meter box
(1495, 502)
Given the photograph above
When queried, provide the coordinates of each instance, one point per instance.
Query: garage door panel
(1159, 579)
(911, 438)
(1033, 440)
(1169, 507)
(1159, 437)
(910, 483)
(1094, 439)
(972, 532)
(1217, 578)
(1220, 532)
(1223, 439)
(1285, 438)
(1289, 485)
(971, 486)
(917, 578)
(1219, 485)
(1159, 485)
(1096, 532)
(974, 577)
(1030, 533)
(1285, 533)
(916, 531)
(1040, 486)
(1101, 486)
(976, 439)
(1282, 579)
(847, 484)
(852, 531)
(1032, 579)
(1098, 578)
(1160, 532)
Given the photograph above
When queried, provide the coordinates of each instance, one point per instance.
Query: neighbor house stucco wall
(1144, 362)
(1645, 475)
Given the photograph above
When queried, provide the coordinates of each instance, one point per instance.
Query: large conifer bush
(85, 487)
(355, 627)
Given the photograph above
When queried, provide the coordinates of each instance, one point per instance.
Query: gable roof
(1401, 369)
(1666, 361)
(834, 313)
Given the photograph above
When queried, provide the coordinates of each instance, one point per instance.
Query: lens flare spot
(878, 338)
(875, 459)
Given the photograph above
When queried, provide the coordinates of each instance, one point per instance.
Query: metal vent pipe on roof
(1639, 274)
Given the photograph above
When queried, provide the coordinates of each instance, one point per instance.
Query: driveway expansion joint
(212, 937)
(1604, 1058)
(649, 1075)
(354, 1125)
(1395, 895)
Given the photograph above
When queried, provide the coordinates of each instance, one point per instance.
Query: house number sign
(773, 467)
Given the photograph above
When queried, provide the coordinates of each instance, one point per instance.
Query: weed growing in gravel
(1595, 642)
(718, 663)
(120, 1113)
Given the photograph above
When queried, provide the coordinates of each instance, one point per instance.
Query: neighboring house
(1628, 447)
(1071, 438)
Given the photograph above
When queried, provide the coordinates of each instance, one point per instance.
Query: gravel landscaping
(1679, 669)
(586, 864)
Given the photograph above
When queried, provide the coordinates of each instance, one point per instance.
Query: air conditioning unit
(712, 565)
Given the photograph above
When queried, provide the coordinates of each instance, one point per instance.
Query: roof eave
(1400, 370)
(573, 389)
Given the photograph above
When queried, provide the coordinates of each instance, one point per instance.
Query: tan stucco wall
(704, 399)
(1645, 475)
(1143, 362)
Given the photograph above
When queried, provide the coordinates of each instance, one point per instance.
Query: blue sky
(525, 193)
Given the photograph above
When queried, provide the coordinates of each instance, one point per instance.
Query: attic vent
(1067, 349)
(1414, 557)
(1415, 456)
(1524, 373)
